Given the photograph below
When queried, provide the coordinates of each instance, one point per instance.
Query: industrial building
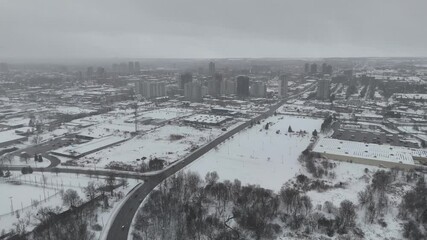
(205, 119)
(370, 153)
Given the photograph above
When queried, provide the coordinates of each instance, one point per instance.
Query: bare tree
(71, 198)
(110, 182)
(90, 190)
(347, 214)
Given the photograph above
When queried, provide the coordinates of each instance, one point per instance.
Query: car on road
(123, 227)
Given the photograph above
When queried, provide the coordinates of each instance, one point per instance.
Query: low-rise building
(370, 154)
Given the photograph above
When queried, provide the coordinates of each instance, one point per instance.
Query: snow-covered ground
(259, 156)
(263, 157)
(157, 143)
(44, 188)
(355, 180)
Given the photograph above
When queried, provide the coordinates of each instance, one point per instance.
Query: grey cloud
(199, 28)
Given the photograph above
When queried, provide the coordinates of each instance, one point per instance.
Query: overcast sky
(211, 29)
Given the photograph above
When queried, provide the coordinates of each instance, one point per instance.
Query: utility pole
(11, 204)
(136, 116)
(137, 99)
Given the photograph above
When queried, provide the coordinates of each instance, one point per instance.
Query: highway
(125, 214)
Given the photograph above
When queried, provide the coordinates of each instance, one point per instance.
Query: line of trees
(187, 207)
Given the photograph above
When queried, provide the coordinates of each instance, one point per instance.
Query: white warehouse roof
(368, 150)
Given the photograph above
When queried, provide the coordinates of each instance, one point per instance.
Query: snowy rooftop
(419, 153)
(9, 135)
(93, 145)
(368, 151)
(16, 121)
(166, 113)
(410, 96)
(73, 110)
(205, 118)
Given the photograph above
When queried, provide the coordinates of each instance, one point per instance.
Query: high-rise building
(123, 68)
(329, 70)
(193, 92)
(89, 72)
(205, 91)
(150, 89)
(283, 86)
(258, 89)
(131, 67)
(185, 78)
(211, 68)
(228, 87)
(100, 72)
(324, 66)
(4, 67)
(243, 86)
(323, 86)
(307, 68)
(326, 69)
(137, 66)
(313, 68)
(214, 85)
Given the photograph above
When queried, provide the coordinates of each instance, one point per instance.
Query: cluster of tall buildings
(126, 68)
(193, 91)
(150, 88)
(312, 69)
(216, 86)
(91, 73)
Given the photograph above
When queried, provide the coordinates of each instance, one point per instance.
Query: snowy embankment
(28, 193)
(113, 213)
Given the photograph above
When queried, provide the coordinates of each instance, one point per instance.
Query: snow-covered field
(259, 156)
(265, 158)
(157, 143)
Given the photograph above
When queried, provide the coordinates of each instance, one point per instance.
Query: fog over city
(211, 29)
(213, 120)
